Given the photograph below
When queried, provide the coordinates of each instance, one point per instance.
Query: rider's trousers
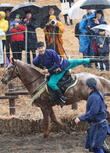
(56, 77)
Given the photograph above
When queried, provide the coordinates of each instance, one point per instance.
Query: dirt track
(34, 143)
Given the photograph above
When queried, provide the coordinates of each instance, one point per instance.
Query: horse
(32, 78)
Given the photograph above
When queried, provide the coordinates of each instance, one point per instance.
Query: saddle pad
(68, 86)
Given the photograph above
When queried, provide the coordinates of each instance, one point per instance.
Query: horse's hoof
(44, 135)
(68, 130)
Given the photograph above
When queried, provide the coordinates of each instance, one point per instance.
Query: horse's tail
(105, 83)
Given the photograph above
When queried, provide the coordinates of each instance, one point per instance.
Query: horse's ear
(12, 60)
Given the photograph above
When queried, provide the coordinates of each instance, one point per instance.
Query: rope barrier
(58, 34)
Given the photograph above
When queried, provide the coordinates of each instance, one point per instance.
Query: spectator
(71, 2)
(102, 43)
(45, 20)
(85, 46)
(95, 115)
(97, 21)
(8, 34)
(1, 47)
(89, 12)
(54, 41)
(4, 28)
(31, 24)
(17, 38)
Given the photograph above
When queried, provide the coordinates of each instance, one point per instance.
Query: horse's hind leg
(46, 115)
(59, 124)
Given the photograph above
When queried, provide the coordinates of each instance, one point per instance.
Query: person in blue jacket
(85, 41)
(95, 115)
(52, 63)
(98, 19)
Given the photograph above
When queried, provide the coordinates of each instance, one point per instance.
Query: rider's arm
(55, 58)
(37, 63)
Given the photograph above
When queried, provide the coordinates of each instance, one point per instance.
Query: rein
(17, 74)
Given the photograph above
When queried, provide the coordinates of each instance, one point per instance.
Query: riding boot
(61, 97)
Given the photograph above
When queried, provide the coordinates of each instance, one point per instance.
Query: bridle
(18, 75)
(15, 68)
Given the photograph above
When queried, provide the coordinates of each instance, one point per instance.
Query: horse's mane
(30, 67)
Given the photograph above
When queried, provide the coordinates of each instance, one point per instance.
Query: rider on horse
(52, 63)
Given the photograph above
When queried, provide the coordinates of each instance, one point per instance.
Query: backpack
(77, 31)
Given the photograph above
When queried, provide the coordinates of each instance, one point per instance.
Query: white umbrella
(3, 7)
(101, 26)
(75, 11)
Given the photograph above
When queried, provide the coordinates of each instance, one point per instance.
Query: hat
(91, 83)
(101, 29)
(52, 17)
(18, 16)
(40, 44)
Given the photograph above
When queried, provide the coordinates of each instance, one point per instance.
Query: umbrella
(44, 12)
(75, 11)
(21, 8)
(101, 26)
(3, 7)
(95, 4)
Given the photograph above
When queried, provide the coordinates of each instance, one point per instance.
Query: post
(11, 101)
(26, 45)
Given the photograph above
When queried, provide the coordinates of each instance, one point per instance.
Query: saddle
(64, 84)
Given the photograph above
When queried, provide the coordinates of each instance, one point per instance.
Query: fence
(12, 95)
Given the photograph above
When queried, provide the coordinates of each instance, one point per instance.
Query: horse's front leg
(59, 124)
(46, 115)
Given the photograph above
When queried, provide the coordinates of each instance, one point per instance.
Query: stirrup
(63, 100)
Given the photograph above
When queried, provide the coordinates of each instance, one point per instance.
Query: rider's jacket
(51, 61)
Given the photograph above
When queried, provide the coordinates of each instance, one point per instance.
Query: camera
(53, 22)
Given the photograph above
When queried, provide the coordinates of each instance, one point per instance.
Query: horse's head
(11, 72)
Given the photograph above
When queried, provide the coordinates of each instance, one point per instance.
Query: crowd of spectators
(93, 43)
(89, 44)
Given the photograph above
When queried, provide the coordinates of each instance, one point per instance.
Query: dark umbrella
(95, 4)
(44, 12)
(22, 8)
(3, 7)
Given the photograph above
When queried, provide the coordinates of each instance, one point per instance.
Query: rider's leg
(76, 62)
(53, 85)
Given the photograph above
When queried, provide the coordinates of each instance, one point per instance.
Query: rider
(52, 63)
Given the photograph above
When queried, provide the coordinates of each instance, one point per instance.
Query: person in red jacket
(17, 28)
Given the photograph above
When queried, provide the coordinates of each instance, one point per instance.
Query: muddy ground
(54, 143)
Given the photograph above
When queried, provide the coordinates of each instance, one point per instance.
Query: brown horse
(31, 79)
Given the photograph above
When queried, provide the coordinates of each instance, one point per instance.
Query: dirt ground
(55, 143)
